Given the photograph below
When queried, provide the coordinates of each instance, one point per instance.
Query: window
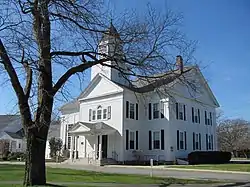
(19, 145)
(99, 114)
(180, 111)
(94, 115)
(209, 142)
(181, 140)
(132, 111)
(195, 115)
(105, 113)
(196, 141)
(156, 110)
(131, 140)
(156, 140)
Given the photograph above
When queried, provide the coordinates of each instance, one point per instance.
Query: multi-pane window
(132, 111)
(99, 114)
(208, 118)
(180, 110)
(156, 110)
(196, 141)
(105, 113)
(131, 140)
(209, 142)
(156, 140)
(196, 115)
(181, 140)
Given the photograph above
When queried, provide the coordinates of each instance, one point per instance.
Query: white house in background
(12, 131)
(109, 121)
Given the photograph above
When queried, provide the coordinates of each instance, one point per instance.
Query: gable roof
(10, 123)
(94, 81)
(14, 135)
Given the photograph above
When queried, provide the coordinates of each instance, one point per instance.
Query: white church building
(110, 122)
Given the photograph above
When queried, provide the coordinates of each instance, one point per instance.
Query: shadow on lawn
(54, 185)
(234, 184)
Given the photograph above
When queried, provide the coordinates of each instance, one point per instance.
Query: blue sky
(222, 30)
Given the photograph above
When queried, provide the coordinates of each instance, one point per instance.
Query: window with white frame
(105, 113)
(156, 140)
(209, 141)
(156, 110)
(131, 140)
(180, 110)
(196, 115)
(196, 141)
(208, 118)
(132, 110)
(99, 114)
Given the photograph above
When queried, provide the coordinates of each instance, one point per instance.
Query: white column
(73, 147)
(95, 148)
(100, 148)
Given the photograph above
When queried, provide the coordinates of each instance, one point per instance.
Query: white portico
(96, 134)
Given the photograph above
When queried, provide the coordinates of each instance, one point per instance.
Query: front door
(104, 146)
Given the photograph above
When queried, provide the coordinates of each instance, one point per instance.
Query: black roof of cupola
(111, 32)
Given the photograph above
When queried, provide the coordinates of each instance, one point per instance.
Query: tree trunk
(35, 170)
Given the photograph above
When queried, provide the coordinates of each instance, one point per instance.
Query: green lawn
(16, 173)
(225, 167)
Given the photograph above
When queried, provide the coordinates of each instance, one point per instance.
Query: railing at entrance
(91, 156)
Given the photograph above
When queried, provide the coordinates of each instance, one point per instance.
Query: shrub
(209, 157)
(56, 146)
(14, 156)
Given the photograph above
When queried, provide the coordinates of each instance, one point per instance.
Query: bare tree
(43, 43)
(234, 135)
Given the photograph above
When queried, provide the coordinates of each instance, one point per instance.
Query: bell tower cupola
(110, 46)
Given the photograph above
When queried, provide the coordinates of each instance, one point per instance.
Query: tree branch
(11, 72)
(77, 69)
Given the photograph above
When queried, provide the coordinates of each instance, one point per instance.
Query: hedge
(209, 157)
